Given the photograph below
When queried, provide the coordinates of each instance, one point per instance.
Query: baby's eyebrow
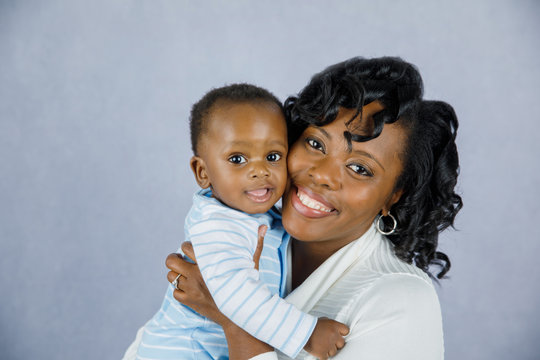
(277, 142)
(240, 142)
(249, 143)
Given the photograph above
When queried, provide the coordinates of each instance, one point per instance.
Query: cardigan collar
(317, 284)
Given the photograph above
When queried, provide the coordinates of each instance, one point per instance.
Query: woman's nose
(258, 170)
(325, 173)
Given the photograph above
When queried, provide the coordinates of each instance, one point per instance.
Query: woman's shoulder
(385, 262)
(404, 287)
(397, 316)
(413, 292)
(388, 282)
(397, 289)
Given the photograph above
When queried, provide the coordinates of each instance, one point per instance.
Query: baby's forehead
(243, 124)
(239, 115)
(226, 107)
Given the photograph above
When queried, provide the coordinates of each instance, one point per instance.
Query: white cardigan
(390, 306)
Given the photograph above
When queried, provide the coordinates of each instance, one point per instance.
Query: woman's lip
(306, 210)
(315, 196)
(260, 195)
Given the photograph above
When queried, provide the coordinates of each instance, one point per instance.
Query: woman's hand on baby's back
(327, 338)
(191, 289)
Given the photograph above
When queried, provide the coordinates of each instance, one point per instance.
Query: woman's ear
(198, 167)
(394, 198)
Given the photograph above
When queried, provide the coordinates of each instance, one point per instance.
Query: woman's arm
(194, 293)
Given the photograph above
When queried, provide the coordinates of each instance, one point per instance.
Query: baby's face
(244, 152)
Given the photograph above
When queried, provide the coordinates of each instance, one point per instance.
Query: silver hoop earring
(378, 225)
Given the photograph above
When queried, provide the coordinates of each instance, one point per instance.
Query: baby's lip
(261, 194)
(258, 192)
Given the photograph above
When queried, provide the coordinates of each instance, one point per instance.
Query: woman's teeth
(311, 203)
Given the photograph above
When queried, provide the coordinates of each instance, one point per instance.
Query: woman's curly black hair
(429, 203)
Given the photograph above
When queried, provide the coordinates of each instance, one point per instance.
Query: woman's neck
(308, 256)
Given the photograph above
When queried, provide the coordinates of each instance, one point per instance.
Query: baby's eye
(237, 159)
(315, 144)
(359, 169)
(273, 157)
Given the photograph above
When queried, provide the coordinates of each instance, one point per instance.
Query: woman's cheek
(296, 163)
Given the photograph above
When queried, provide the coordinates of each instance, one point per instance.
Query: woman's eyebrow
(325, 133)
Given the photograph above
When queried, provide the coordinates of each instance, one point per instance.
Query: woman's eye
(359, 169)
(273, 157)
(315, 144)
(237, 159)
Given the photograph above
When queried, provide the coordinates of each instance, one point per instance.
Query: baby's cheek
(283, 179)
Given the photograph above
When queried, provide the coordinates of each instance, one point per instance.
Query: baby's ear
(198, 167)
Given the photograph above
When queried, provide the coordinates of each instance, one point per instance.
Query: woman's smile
(310, 204)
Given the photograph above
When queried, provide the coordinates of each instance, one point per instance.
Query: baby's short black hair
(235, 93)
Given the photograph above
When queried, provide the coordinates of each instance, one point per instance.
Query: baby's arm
(224, 254)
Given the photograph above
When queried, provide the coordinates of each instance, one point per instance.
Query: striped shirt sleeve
(224, 251)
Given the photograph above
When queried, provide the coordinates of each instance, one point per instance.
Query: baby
(239, 140)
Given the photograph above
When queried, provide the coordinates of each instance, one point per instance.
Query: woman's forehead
(363, 118)
(353, 122)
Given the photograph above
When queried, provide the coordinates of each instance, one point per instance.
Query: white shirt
(390, 306)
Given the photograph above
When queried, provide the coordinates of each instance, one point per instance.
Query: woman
(372, 174)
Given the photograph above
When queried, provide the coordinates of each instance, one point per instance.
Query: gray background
(94, 177)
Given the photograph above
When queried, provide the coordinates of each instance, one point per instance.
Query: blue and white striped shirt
(224, 241)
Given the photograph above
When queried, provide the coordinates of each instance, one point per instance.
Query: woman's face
(336, 190)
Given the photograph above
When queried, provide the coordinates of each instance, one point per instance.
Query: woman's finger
(180, 296)
(260, 244)
(171, 275)
(177, 264)
(174, 262)
(187, 249)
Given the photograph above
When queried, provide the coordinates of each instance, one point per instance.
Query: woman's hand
(191, 289)
(194, 293)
